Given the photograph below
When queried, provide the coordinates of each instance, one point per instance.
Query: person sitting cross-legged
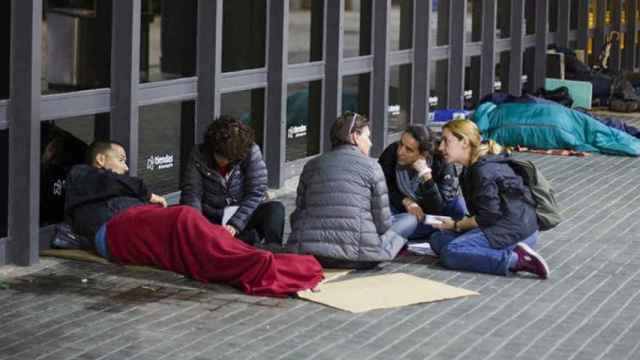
(226, 180)
(131, 225)
(498, 236)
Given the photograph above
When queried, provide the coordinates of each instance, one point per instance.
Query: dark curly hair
(347, 124)
(229, 138)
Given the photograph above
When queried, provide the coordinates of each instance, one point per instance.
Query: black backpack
(544, 199)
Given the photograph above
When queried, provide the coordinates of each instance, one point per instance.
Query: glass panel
(401, 26)
(530, 16)
(159, 153)
(64, 144)
(355, 94)
(438, 89)
(247, 106)
(553, 16)
(76, 45)
(573, 16)
(305, 30)
(473, 21)
(442, 22)
(357, 28)
(244, 22)
(472, 82)
(528, 64)
(504, 18)
(167, 39)
(4, 181)
(5, 43)
(502, 71)
(399, 98)
(303, 120)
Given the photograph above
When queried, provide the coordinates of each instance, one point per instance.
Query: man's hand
(156, 199)
(423, 170)
(447, 224)
(230, 229)
(413, 208)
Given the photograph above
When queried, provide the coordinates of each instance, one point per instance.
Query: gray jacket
(342, 209)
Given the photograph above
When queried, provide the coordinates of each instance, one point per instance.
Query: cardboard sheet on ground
(382, 292)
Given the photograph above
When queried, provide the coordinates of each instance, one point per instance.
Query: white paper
(435, 219)
(229, 211)
(421, 249)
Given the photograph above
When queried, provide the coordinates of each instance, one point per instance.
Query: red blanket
(180, 239)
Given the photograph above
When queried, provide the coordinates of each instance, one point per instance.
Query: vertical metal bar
(598, 38)
(616, 25)
(380, 76)
(24, 132)
(488, 59)
(421, 46)
(542, 27)
(456, 55)
(631, 35)
(208, 64)
(515, 68)
(333, 53)
(583, 24)
(125, 75)
(278, 37)
(475, 70)
(564, 22)
(442, 38)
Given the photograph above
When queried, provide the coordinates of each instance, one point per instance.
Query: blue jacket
(500, 201)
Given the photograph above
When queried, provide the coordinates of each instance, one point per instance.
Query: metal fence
(439, 50)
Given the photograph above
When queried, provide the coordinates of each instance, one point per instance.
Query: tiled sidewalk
(588, 309)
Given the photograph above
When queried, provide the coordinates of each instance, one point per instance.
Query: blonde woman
(498, 235)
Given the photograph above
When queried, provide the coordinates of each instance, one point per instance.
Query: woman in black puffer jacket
(226, 179)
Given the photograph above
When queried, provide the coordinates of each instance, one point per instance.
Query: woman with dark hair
(420, 181)
(342, 213)
(226, 179)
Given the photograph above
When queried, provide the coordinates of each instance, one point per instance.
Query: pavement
(588, 309)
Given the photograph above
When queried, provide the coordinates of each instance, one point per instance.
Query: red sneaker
(530, 261)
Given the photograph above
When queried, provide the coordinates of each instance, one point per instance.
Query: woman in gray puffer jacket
(342, 211)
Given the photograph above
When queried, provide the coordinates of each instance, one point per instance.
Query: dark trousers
(266, 223)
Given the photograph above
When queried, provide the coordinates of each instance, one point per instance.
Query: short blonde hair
(467, 129)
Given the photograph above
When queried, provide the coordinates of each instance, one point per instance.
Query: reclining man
(420, 181)
(131, 225)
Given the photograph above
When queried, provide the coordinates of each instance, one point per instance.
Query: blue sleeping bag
(542, 124)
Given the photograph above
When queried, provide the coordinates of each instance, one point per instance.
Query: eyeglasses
(353, 122)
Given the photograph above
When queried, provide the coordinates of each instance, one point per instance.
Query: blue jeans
(471, 251)
(456, 209)
(404, 224)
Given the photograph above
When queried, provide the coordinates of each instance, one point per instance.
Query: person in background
(226, 179)
(502, 228)
(342, 213)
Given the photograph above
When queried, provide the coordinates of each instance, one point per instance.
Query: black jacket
(432, 195)
(500, 201)
(205, 189)
(93, 196)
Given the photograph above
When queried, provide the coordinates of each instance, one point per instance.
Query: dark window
(303, 120)
(243, 35)
(247, 106)
(357, 28)
(76, 45)
(399, 110)
(355, 94)
(401, 26)
(503, 22)
(160, 150)
(167, 39)
(5, 43)
(64, 143)
(305, 30)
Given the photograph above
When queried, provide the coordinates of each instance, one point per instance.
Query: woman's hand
(423, 170)
(413, 208)
(447, 224)
(156, 199)
(230, 229)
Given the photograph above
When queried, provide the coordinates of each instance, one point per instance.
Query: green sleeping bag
(546, 125)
